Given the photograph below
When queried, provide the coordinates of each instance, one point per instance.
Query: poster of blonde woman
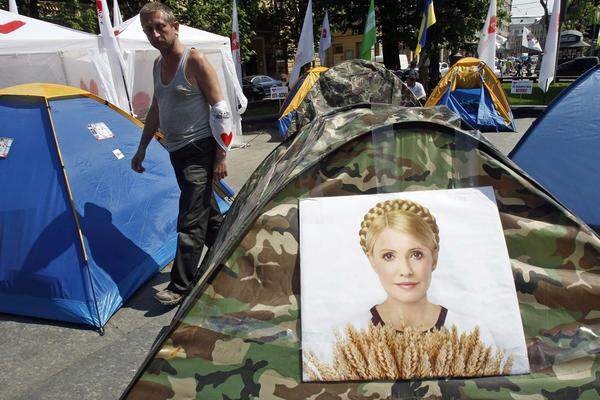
(407, 285)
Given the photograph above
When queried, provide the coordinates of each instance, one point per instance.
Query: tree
(459, 21)
(213, 16)
(70, 13)
(575, 14)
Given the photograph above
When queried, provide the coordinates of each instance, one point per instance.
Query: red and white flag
(109, 44)
(487, 42)
(549, 58)
(12, 6)
(325, 41)
(235, 42)
(530, 41)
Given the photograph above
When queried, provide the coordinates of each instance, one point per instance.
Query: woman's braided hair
(399, 207)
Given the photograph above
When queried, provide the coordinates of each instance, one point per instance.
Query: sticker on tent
(100, 131)
(118, 153)
(5, 144)
(412, 289)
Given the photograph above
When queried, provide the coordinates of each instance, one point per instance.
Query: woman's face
(403, 264)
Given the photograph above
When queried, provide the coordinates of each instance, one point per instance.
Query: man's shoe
(168, 297)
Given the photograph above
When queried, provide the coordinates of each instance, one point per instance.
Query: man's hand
(136, 161)
(220, 167)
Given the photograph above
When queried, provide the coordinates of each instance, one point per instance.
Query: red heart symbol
(10, 26)
(226, 138)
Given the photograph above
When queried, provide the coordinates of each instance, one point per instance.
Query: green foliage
(399, 21)
(215, 16)
(72, 14)
(581, 14)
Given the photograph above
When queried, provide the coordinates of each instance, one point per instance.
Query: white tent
(216, 48)
(36, 51)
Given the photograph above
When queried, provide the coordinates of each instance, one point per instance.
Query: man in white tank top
(186, 95)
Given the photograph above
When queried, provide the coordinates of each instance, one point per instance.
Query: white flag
(487, 42)
(549, 58)
(12, 6)
(109, 44)
(500, 41)
(530, 41)
(306, 46)
(235, 42)
(117, 18)
(325, 41)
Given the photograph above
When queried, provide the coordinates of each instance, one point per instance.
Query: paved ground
(46, 360)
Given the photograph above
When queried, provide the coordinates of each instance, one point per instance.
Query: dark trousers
(199, 218)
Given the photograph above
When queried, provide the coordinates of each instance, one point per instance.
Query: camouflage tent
(237, 336)
(351, 82)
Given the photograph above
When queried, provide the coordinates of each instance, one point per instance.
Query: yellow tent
(472, 73)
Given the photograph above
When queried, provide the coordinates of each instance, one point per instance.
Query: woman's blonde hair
(400, 215)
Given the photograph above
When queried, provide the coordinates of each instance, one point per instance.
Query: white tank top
(182, 108)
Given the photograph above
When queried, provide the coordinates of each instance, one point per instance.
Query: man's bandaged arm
(221, 124)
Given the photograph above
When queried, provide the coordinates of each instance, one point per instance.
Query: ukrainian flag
(428, 20)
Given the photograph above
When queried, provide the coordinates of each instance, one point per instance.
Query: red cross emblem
(10, 26)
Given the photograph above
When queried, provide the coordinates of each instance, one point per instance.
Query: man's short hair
(155, 6)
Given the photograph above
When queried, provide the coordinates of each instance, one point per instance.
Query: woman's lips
(407, 285)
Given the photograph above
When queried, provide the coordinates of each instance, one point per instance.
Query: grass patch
(537, 97)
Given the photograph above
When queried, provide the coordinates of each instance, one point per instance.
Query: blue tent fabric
(224, 196)
(37, 277)
(128, 220)
(560, 149)
(475, 107)
(284, 122)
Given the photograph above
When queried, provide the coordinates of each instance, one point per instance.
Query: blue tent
(562, 148)
(80, 232)
(471, 90)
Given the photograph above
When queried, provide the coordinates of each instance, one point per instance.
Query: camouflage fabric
(238, 335)
(349, 83)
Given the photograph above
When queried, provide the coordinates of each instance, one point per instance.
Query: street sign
(521, 87)
(278, 92)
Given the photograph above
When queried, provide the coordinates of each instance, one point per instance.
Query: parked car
(257, 87)
(577, 66)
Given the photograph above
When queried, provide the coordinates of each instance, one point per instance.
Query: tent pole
(72, 203)
(64, 69)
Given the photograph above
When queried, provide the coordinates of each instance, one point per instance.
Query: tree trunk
(544, 4)
(390, 53)
(434, 66)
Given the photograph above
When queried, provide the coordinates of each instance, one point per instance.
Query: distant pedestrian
(415, 87)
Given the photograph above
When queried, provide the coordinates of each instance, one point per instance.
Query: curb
(528, 111)
(259, 119)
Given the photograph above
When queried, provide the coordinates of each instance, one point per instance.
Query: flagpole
(558, 44)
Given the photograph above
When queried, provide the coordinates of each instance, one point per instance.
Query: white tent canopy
(37, 51)
(216, 48)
